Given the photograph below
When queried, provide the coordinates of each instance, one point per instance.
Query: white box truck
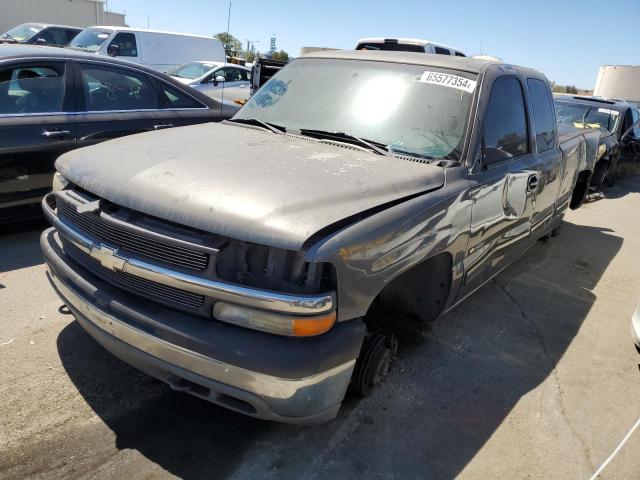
(152, 48)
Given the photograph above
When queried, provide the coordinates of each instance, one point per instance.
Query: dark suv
(41, 34)
(612, 117)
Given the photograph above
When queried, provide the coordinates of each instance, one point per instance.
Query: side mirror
(113, 50)
(493, 155)
(41, 41)
(218, 79)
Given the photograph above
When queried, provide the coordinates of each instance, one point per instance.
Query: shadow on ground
(451, 390)
(20, 244)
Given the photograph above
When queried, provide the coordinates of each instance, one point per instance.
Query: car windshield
(22, 33)
(411, 109)
(90, 39)
(191, 70)
(585, 116)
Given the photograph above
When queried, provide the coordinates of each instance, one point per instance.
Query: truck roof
(411, 41)
(467, 64)
(57, 25)
(618, 105)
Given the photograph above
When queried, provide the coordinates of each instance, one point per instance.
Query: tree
(232, 46)
(250, 56)
(281, 55)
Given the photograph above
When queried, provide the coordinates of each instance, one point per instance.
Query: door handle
(532, 183)
(160, 126)
(53, 134)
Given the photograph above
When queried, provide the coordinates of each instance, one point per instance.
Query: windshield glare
(585, 116)
(90, 39)
(378, 101)
(191, 70)
(22, 32)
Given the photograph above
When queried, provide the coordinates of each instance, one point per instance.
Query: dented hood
(244, 183)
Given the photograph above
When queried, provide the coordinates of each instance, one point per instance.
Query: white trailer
(152, 48)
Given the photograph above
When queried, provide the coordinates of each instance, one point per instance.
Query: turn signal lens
(303, 327)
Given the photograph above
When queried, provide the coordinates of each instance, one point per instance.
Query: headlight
(277, 323)
(59, 182)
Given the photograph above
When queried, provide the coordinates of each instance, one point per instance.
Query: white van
(151, 48)
(407, 45)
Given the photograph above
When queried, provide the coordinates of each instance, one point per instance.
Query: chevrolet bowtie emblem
(108, 257)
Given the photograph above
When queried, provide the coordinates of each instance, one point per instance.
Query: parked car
(612, 118)
(151, 48)
(41, 34)
(216, 79)
(407, 45)
(246, 262)
(53, 100)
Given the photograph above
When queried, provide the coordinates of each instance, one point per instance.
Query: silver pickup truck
(247, 262)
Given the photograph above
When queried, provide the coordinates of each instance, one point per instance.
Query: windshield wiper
(254, 121)
(377, 147)
(8, 36)
(412, 154)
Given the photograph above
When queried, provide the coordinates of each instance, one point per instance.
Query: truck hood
(244, 182)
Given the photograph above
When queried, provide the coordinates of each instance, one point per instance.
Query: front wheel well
(418, 295)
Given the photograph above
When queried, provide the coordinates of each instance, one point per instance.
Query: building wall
(80, 13)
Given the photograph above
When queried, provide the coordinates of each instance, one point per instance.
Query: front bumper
(266, 376)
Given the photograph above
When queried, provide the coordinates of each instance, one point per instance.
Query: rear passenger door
(37, 124)
(549, 159)
(117, 101)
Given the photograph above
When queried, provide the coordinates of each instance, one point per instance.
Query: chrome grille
(132, 242)
(144, 287)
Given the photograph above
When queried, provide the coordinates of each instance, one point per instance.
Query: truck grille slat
(144, 287)
(148, 247)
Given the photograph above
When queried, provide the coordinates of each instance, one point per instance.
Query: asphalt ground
(534, 376)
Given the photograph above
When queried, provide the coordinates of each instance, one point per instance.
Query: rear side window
(505, 122)
(126, 43)
(635, 115)
(70, 35)
(442, 51)
(31, 89)
(544, 121)
(53, 36)
(108, 89)
(460, 54)
(178, 99)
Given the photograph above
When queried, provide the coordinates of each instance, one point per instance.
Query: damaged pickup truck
(247, 262)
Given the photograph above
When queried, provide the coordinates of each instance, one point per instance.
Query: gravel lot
(535, 376)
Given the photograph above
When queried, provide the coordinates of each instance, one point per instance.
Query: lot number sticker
(610, 112)
(448, 80)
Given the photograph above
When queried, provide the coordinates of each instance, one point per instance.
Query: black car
(54, 100)
(613, 118)
(41, 34)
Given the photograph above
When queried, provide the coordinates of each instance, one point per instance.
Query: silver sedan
(218, 80)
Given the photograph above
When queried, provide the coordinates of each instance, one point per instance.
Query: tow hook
(378, 352)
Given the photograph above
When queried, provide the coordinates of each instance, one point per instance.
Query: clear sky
(567, 40)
